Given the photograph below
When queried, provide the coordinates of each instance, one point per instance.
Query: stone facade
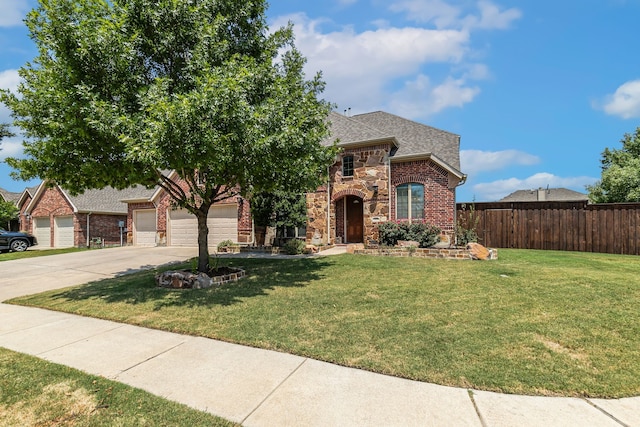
(371, 167)
(370, 170)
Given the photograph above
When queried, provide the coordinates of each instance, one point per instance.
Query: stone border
(183, 279)
(434, 253)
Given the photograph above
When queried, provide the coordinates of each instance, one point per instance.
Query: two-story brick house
(388, 168)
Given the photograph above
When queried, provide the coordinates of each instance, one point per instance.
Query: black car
(16, 241)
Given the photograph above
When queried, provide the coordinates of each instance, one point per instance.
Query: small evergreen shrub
(225, 244)
(294, 247)
(424, 233)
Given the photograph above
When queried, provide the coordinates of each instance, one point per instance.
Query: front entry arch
(354, 219)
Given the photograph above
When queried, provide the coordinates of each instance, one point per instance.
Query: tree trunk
(203, 242)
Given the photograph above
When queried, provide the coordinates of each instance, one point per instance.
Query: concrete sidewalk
(257, 387)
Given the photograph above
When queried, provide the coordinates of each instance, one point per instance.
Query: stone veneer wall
(454, 253)
(370, 167)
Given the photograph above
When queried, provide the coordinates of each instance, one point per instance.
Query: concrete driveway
(32, 275)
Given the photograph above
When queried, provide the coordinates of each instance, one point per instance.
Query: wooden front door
(355, 220)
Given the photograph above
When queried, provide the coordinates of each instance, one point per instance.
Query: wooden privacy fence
(566, 226)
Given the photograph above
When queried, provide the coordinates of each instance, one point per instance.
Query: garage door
(63, 231)
(42, 231)
(222, 222)
(144, 227)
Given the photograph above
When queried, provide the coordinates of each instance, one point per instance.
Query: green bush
(294, 247)
(425, 234)
(225, 244)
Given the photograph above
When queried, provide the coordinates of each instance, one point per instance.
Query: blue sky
(535, 89)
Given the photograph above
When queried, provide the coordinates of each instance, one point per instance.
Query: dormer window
(347, 166)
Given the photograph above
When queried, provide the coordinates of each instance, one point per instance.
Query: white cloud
(625, 102)
(360, 68)
(11, 147)
(496, 190)
(475, 161)
(443, 14)
(13, 12)
(492, 18)
(9, 79)
(419, 98)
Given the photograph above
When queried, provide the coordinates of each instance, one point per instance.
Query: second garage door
(63, 231)
(222, 222)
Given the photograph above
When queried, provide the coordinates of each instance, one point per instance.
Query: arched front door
(354, 220)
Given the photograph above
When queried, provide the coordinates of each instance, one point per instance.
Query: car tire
(19, 245)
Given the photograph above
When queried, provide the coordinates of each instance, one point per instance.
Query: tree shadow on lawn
(262, 275)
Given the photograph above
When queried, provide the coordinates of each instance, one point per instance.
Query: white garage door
(42, 231)
(144, 227)
(63, 231)
(222, 223)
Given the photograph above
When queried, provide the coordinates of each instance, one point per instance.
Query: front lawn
(34, 392)
(32, 253)
(532, 322)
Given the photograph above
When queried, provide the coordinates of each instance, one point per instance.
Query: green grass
(32, 253)
(38, 393)
(532, 322)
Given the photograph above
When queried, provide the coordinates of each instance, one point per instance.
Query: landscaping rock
(187, 280)
(477, 251)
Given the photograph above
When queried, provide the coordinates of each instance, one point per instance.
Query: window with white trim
(410, 201)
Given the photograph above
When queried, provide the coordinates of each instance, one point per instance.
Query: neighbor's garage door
(63, 232)
(222, 222)
(144, 227)
(42, 231)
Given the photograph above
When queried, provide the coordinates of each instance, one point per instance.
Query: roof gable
(416, 138)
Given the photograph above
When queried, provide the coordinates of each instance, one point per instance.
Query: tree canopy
(620, 180)
(124, 91)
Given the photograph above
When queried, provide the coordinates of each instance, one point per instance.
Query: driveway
(33, 275)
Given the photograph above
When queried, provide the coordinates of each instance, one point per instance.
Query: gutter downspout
(328, 206)
(88, 231)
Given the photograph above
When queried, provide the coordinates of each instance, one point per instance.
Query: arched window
(410, 201)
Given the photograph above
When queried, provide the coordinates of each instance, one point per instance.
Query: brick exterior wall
(52, 203)
(371, 168)
(25, 225)
(100, 225)
(439, 198)
(163, 206)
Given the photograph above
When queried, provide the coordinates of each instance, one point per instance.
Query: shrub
(425, 234)
(225, 244)
(294, 247)
(466, 226)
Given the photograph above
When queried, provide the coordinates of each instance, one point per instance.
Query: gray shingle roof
(107, 200)
(549, 195)
(9, 196)
(413, 138)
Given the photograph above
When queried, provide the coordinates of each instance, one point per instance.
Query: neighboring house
(545, 195)
(60, 220)
(389, 168)
(152, 220)
(8, 196)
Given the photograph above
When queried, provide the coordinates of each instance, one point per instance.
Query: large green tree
(124, 91)
(620, 180)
